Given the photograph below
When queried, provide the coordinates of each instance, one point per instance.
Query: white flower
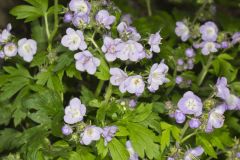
(134, 85)
(182, 31)
(154, 41)
(208, 47)
(82, 7)
(27, 48)
(5, 35)
(10, 49)
(157, 76)
(91, 133)
(74, 40)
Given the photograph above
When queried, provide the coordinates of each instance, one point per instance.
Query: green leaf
(143, 142)
(117, 150)
(103, 71)
(63, 61)
(101, 148)
(207, 146)
(9, 139)
(165, 139)
(6, 111)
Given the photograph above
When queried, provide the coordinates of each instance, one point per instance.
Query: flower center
(191, 104)
(27, 48)
(83, 7)
(89, 132)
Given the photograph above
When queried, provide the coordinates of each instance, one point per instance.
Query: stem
(188, 136)
(200, 10)
(149, 7)
(108, 93)
(46, 25)
(204, 71)
(185, 127)
(95, 45)
(99, 88)
(55, 28)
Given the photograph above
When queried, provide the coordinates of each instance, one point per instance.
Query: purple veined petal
(67, 130)
(82, 7)
(118, 76)
(179, 116)
(233, 102)
(182, 31)
(209, 31)
(75, 102)
(194, 123)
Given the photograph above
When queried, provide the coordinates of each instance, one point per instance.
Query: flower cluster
(25, 48)
(190, 154)
(135, 84)
(73, 118)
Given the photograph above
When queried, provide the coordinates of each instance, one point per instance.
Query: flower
(103, 18)
(180, 62)
(74, 112)
(118, 76)
(67, 130)
(68, 17)
(85, 61)
(179, 116)
(82, 7)
(130, 50)
(170, 158)
(182, 31)
(6, 35)
(132, 103)
(109, 48)
(209, 47)
(128, 32)
(27, 48)
(190, 104)
(127, 18)
(2, 54)
(179, 79)
(193, 153)
(10, 49)
(157, 76)
(134, 85)
(108, 133)
(90, 133)
(225, 44)
(190, 64)
(132, 153)
(216, 118)
(80, 21)
(189, 52)
(222, 90)
(236, 38)
(233, 102)
(154, 41)
(209, 31)
(194, 123)
(74, 40)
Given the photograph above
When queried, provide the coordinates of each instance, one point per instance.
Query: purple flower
(157, 76)
(154, 41)
(194, 123)
(27, 48)
(179, 79)
(128, 32)
(127, 18)
(190, 64)
(180, 62)
(216, 118)
(134, 85)
(82, 7)
(190, 104)
(109, 48)
(182, 31)
(224, 44)
(209, 47)
(67, 130)
(193, 153)
(132, 103)
(90, 133)
(103, 18)
(209, 31)
(80, 21)
(132, 153)
(179, 116)
(221, 88)
(85, 61)
(74, 112)
(170, 158)
(189, 52)
(238, 154)
(108, 133)
(2, 54)
(68, 17)
(74, 40)
(6, 35)
(233, 102)
(10, 49)
(236, 38)
(118, 77)
(130, 50)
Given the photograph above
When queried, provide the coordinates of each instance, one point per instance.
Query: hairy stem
(149, 7)
(99, 88)
(204, 71)
(108, 93)
(46, 25)
(188, 136)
